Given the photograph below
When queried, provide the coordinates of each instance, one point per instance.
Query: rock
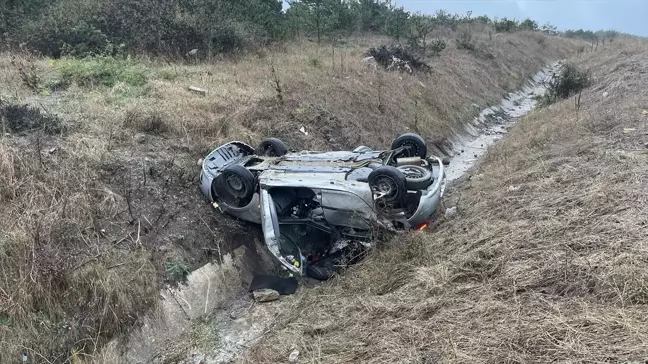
(140, 138)
(200, 162)
(451, 212)
(370, 62)
(199, 358)
(513, 188)
(605, 94)
(198, 90)
(265, 295)
(294, 356)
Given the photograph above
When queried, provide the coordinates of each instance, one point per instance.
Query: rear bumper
(430, 199)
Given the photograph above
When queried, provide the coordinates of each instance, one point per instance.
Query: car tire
(417, 177)
(235, 186)
(272, 147)
(389, 182)
(416, 144)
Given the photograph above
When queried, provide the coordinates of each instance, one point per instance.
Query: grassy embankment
(547, 260)
(98, 196)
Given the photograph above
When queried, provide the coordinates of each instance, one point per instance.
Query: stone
(265, 295)
(294, 356)
(140, 138)
(451, 212)
(198, 90)
(605, 94)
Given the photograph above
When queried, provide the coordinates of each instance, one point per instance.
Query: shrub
(146, 121)
(529, 24)
(505, 25)
(437, 46)
(84, 40)
(464, 41)
(570, 81)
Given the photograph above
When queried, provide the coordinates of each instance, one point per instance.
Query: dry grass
(90, 216)
(553, 270)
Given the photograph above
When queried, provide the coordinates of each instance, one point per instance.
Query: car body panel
(339, 181)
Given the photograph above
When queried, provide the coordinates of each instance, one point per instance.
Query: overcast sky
(629, 16)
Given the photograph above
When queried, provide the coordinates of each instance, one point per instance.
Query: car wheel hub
(385, 187)
(236, 186)
(411, 172)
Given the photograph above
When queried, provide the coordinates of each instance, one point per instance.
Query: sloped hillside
(546, 260)
(98, 162)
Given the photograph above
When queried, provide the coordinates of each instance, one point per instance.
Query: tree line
(180, 27)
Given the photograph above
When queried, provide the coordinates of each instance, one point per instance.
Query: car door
(273, 237)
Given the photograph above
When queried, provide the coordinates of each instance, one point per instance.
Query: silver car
(313, 204)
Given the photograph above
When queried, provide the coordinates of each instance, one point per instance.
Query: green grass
(5, 320)
(104, 71)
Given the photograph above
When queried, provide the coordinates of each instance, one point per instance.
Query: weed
(437, 46)
(168, 74)
(177, 270)
(277, 83)
(5, 320)
(465, 41)
(314, 61)
(146, 121)
(28, 73)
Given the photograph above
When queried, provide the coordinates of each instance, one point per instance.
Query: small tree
(549, 28)
(420, 28)
(505, 25)
(529, 24)
(397, 22)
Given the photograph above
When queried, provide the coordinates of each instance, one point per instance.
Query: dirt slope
(546, 261)
(99, 204)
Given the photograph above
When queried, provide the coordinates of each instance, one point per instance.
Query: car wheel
(417, 177)
(415, 146)
(235, 186)
(272, 147)
(388, 183)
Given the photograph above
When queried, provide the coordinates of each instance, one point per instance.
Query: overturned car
(314, 205)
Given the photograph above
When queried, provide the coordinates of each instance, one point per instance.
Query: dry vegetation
(546, 262)
(93, 211)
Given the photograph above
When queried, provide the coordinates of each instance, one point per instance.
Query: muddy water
(494, 122)
(216, 291)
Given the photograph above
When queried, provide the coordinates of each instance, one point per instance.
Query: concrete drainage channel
(231, 321)
(494, 122)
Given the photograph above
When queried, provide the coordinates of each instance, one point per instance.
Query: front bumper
(430, 199)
